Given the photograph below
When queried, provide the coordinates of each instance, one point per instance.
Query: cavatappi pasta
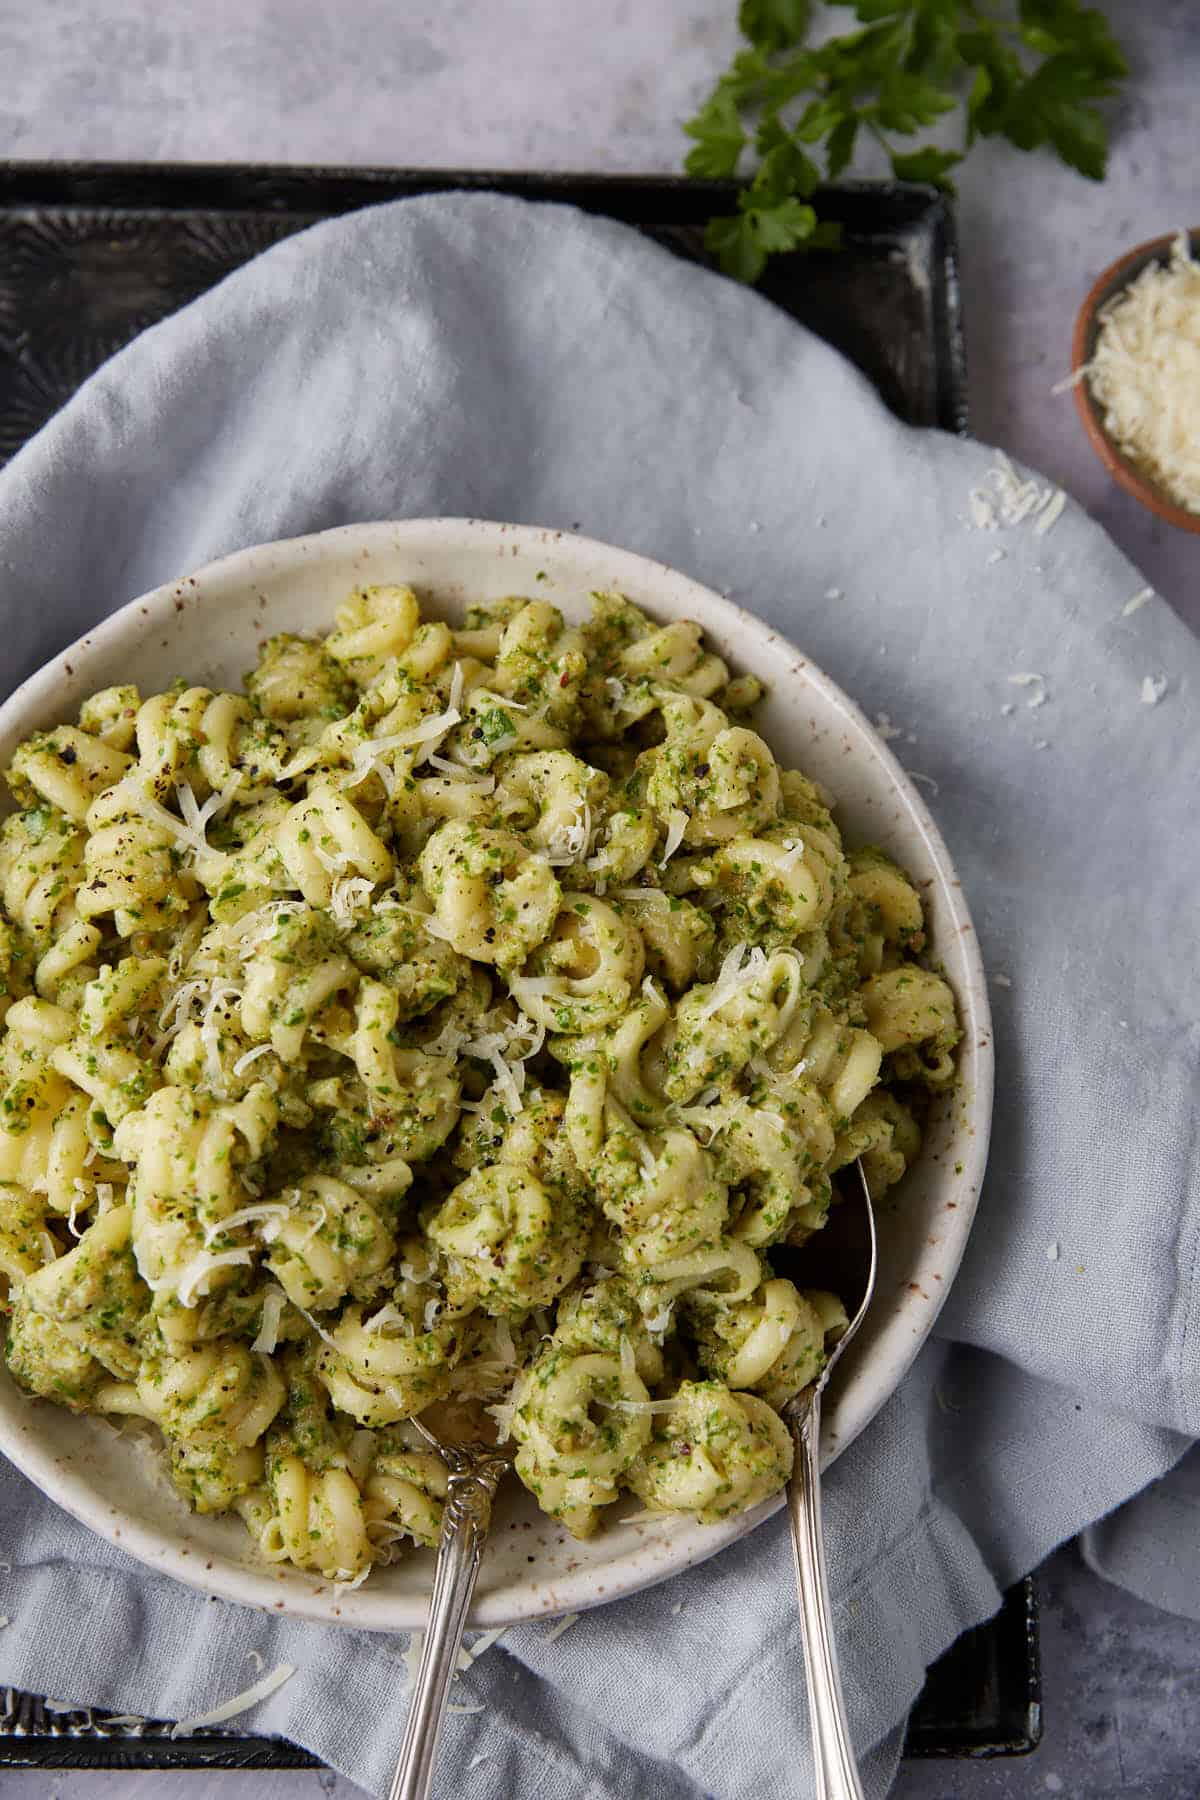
(454, 1013)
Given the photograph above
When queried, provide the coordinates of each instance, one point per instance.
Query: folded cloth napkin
(475, 355)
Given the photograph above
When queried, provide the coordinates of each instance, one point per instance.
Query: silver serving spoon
(848, 1249)
(476, 1468)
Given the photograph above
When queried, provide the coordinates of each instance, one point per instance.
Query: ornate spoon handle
(834, 1766)
(465, 1522)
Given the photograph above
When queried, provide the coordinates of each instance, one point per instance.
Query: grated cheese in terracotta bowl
(1144, 373)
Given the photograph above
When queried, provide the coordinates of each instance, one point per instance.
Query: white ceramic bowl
(208, 627)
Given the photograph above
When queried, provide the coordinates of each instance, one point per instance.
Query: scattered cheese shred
(484, 1642)
(1144, 373)
(223, 998)
(200, 1267)
(1008, 500)
(642, 1406)
(501, 1049)
(368, 757)
(1053, 1251)
(319, 1329)
(1153, 689)
(274, 1301)
(230, 1709)
(572, 843)
(1050, 514)
(482, 784)
(387, 1315)
(677, 824)
(349, 896)
(736, 973)
(1029, 678)
(157, 814)
(251, 1056)
(1136, 601)
(245, 1215)
(564, 1624)
(197, 818)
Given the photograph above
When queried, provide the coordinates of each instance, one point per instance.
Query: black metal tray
(981, 1699)
(92, 254)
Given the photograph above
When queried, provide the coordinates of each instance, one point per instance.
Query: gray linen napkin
(472, 355)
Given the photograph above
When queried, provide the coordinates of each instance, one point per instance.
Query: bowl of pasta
(461, 1008)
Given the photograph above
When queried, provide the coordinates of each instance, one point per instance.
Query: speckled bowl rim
(54, 1449)
(1106, 287)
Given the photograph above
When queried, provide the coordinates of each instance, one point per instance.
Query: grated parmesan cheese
(274, 1301)
(1008, 500)
(240, 1703)
(500, 1048)
(482, 784)
(740, 970)
(426, 737)
(334, 862)
(1049, 515)
(1153, 689)
(319, 1329)
(81, 1196)
(484, 1642)
(349, 895)
(197, 818)
(677, 824)
(658, 1323)
(564, 1624)
(1029, 678)
(1144, 374)
(1136, 601)
(223, 995)
(198, 1268)
(572, 844)
(642, 1406)
(387, 1315)
(190, 836)
(246, 1215)
(251, 1056)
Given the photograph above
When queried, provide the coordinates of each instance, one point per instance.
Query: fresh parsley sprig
(1033, 71)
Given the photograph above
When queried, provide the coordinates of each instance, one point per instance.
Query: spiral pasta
(457, 1017)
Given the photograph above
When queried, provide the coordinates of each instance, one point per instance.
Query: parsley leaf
(774, 24)
(1033, 71)
(720, 137)
(930, 164)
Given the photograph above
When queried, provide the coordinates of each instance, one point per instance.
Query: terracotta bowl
(1106, 287)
